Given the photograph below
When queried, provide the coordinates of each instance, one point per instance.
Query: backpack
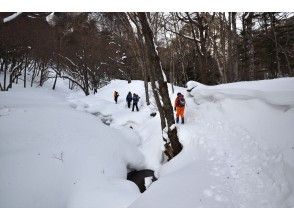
(181, 102)
(136, 98)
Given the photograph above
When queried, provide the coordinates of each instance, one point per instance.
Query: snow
(148, 181)
(146, 132)
(50, 19)
(172, 127)
(238, 147)
(11, 17)
(37, 127)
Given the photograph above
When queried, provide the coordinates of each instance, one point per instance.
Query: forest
(90, 49)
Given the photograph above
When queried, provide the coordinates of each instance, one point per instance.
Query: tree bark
(235, 52)
(5, 73)
(223, 46)
(249, 65)
(172, 144)
(274, 34)
(25, 73)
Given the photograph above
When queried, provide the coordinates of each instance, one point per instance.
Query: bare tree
(172, 144)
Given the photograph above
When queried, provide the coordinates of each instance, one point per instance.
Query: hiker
(180, 107)
(135, 101)
(115, 95)
(129, 99)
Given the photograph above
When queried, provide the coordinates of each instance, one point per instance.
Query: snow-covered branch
(11, 17)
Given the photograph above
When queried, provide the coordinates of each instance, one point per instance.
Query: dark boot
(183, 121)
(177, 119)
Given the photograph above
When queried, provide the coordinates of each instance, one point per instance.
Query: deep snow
(54, 156)
(238, 147)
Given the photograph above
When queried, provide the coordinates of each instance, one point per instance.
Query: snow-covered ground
(54, 156)
(238, 147)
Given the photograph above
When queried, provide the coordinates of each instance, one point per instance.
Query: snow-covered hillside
(238, 147)
(54, 156)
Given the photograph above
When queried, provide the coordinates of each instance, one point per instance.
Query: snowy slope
(238, 147)
(146, 132)
(238, 144)
(54, 156)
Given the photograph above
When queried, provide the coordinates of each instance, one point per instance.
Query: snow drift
(54, 156)
(238, 147)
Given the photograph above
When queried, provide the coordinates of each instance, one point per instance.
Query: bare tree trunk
(249, 68)
(172, 144)
(173, 76)
(251, 47)
(223, 46)
(5, 73)
(34, 74)
(216, 56)
(235, 52)
(288, 63)
(42, 76)
(183, 72)
(171, 72)
(86, 83)
(145, 70)
(25, 73)
(10, 81)
(55, 80)
(274, 33)
(146, 88)
(138, 48)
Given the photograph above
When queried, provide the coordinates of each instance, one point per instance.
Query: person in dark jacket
(115, 96)
(129, 99)
(135, 101)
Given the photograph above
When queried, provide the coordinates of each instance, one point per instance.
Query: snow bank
(275, 92)
(54, 156)
(238, 149)
(139, 127)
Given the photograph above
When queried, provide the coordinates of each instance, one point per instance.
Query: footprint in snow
(4, 111)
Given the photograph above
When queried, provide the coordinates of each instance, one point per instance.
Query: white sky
(146, 5)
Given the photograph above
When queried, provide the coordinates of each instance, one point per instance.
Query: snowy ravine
(238, 147)
(54, 156)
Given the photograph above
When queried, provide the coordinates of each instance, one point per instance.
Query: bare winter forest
(92, 48)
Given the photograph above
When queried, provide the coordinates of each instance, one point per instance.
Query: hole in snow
(142, 178)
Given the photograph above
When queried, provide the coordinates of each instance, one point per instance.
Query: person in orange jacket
(180, 107)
